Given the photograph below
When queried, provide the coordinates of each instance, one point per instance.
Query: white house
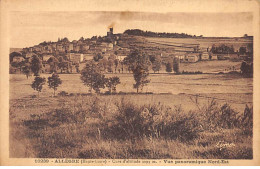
(204, 56)
(121, 57)
(181, 57)
(76, 57)
(110, 45)
(214, 57)
(192, 57)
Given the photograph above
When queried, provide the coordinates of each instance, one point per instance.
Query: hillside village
(64, 56)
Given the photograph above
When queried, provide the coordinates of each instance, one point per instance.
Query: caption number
(41, 161)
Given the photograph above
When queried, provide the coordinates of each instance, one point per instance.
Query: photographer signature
(222, 144)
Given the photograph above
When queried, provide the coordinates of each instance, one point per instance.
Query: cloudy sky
(30, 28)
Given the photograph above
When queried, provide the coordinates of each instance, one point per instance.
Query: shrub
(63, 93)
(247, 121)
(133, 122)
(190, 72)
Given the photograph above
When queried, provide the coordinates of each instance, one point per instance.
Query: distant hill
(15, 50)
(138, 32)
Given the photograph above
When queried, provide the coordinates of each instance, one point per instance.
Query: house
(121, 57)
(70, 47)
(30, 49)
(221, 57)
(84, 47)
(192, 57)
(54, 47)
(110, 45)
(76, 48)
(204, 56)
(45, 58)
(38, 48)
(87, 57)
(214, 57)
(244, 57)
(29, 55)
(18, 59)
(103, 49)
(59, 47)
(76, 57)
(49, 48)
(233, 56)
(180, 57)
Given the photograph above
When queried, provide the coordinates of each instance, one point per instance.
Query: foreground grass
(117, 127)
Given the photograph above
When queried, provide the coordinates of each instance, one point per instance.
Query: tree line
(93, 74)
(138, 32)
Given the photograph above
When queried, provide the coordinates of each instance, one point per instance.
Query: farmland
(39, 126)
(203, 42)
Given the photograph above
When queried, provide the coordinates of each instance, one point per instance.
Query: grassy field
(213, 66)
(185, 117)
(203, 42)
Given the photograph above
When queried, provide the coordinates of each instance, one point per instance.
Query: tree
(103, 63)
(81, 39)
(92, 77)
(141, 74)
(137, 57)
(116, 62)
(54, 81)
(12, 55)
(176, 65)
(61, 64)
(99, 82)
(110, 65)
(53, 62)
(26, 69)
(247, 69)
(36, 65)
(139, 63)
(111, 83)
(156, 64)
(38, 83)
(168, 67)
(242, 50)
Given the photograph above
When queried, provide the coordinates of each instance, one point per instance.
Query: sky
(30, 28)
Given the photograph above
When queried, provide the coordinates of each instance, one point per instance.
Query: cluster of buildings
(188, 52)
(76, 52)
(116, 46)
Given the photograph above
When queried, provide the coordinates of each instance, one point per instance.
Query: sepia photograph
(131, 85)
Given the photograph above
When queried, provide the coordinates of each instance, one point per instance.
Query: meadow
(203, 42)
(180, 116)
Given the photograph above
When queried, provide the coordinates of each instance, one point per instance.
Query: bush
(247, 121)
(137, 122)
(189, 72)
(63, 93)
(213, 117)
